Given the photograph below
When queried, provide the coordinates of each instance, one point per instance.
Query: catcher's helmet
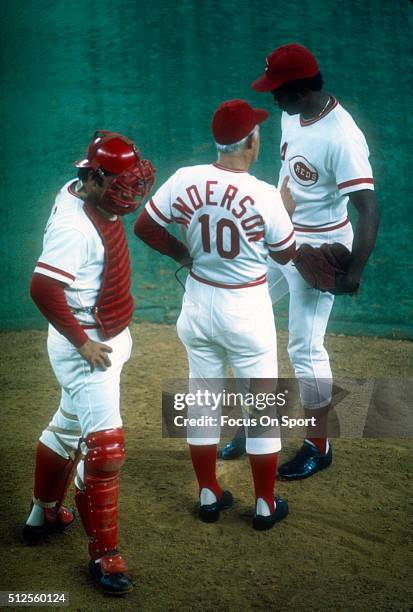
(112, 153)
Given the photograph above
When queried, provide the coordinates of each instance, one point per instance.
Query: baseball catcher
(81, 284)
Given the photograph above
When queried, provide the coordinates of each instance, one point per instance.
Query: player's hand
(346, 284)
(287, 198)
(96, 354)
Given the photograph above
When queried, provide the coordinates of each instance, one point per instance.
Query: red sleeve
(49, 296)
(283, 257)
(156, 236)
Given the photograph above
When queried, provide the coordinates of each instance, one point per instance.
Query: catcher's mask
(112, 153)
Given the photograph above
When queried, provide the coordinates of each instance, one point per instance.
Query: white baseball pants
(229, 327)
(89, 400)
(309, 312)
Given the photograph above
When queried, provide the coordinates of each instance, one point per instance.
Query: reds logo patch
(302, 171)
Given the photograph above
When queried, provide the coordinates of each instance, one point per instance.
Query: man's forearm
(365, 232)
(156, 237)
(49, 296)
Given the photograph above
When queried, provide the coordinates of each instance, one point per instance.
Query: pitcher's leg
(309, 313)
(277, 288)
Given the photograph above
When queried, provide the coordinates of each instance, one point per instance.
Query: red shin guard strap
(264, 468)
(113, 564)
(61, 514)
(204, 459)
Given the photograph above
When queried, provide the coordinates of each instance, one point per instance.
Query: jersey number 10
(232, 233)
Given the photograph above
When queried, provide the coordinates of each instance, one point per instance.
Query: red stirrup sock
(320, 443)
(264, 469)
(204, 459)
(318, 433)
(82, 508)
(51, 475)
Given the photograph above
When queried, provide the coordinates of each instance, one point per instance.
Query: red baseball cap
(234, 120)
(287, 63)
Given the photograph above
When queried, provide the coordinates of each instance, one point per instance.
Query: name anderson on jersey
(252, 224)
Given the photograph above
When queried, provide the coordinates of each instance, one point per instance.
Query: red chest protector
(114, 306)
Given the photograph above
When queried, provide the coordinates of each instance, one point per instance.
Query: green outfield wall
(156, 71)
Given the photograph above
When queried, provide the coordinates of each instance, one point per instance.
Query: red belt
(258, 281)
(316, 230)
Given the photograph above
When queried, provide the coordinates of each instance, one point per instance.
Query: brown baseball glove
(323, 267)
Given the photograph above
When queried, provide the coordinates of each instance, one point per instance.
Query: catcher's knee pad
(99, 508)
(105, 451)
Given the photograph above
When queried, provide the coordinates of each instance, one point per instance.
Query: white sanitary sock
(262, 508)
(315, 446)
(207, 497)
(36, 516)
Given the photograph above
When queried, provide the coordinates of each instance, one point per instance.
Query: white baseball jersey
(326, 159)
(73, 252)
(230, 219)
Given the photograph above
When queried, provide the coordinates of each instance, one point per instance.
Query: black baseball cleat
(209, 513)
(306, 462)
(55, 522)
(116, 583)
(233, 449)
(263, 523)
